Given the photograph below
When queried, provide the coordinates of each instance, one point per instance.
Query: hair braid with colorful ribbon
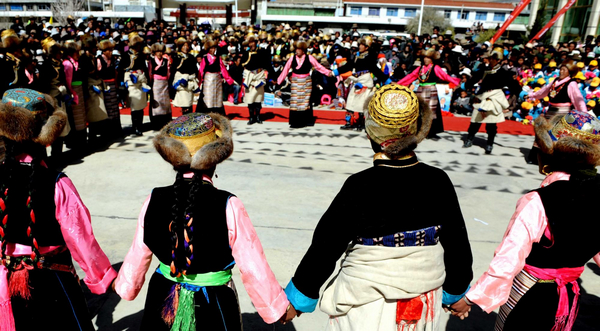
(35, 249)
(174, 224)
(188, 226)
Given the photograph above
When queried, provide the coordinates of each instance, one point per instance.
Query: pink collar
(211, 58)
(204, 177)
(555, 176)
(26, 158)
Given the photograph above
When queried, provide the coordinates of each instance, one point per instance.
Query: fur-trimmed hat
(134, 39)
(432, 54)
(180, 42)
(157, 47)
(397, 120)
(209, 43)
(24, 117)
(367, 41)
(571, 142)
(571, 66)
(88, 42)
(10, 38)
(303, 45)
(47, 44)
(105, 45)
(195, 141)
(71, 47)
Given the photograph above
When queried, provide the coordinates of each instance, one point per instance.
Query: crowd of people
(69, 84)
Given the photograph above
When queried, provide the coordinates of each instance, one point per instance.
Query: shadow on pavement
(253, 322)
(588, 318)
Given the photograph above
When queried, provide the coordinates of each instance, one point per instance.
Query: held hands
(289, 315)
(460, 308)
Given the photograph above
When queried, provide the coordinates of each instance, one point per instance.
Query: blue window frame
(410, 12)
(392, 12)
(16, 7)
(499, 17)
(355, 10)
(463, 15)
(374, 11)
(481, 16)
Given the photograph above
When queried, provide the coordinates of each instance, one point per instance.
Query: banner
(515, 13)
(444, 96)
(553, 20)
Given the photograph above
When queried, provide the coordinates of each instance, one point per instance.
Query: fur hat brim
(207, 157)
(406, 145)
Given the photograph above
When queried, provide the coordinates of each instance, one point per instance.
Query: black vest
(563, 95)
(210, 233)
(575, 229)
(304, 69)
(47, 229)
(163, 70)
(215, 67)
(108, 71)
(431, 78)
(78, 75)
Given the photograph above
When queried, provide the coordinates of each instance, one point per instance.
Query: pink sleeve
(285, 71)
(69, 75)
(76, 227)
(576, 97)
(132, 275)
(445, 77)
(409, 78)
(541, 93)
(526, 227)
(265, 292)
(225, 74)
(597, 259)
(98, 64)
(201, 70)
(318, 66)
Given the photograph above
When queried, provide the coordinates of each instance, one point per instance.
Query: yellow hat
(595, 82)
(541, 81)
(536, 89)
(591, 103)
(552, 64)
(537, 66)
(593, 63)
(579, 75)
(526, 105)
(580, 65)
(546, 99)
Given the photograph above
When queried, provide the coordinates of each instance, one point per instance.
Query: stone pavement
(286, 179)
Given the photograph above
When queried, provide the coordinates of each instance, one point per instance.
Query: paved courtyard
(286, 179)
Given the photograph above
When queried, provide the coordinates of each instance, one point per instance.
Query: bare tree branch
(61, 9)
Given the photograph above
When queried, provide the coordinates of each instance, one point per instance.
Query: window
(43, 6)
(373, 11)
(29, 7)
(463, 15)
(499, 17)
(392, 12)
(355, 10)
(2, 7)
(410, 12)
(481, 16)
(447, 13)
(16, 7)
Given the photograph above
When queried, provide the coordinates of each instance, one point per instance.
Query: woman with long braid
(44, 225)
(198, 233)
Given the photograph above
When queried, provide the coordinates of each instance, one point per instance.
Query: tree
(61, 9)
(484, 36)
(431, 18)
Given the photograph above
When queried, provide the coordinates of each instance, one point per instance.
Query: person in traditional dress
(46, 225)
(183, 76)
(212, 73)
(133, 74)
(358, 76)
(301, 64)
(489, 103)
(256, 63)
(400, 265)
(107, 69)
(429, 75)
(52, 72)
(159, 76)
(95, 109)
(75, 77)
(190, 285)
(561, 99)
(533, 275)
(12, 69)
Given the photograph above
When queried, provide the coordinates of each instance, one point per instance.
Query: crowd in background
(95, 68)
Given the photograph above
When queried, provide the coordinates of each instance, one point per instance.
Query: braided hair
(183, 221)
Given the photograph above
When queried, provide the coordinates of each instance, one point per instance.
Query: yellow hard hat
(580, 65)
(537, 66)
(579, 75)
(552, 64)
(591, 103)
(593, 63)
(526, 105)
(595, 82)
(541, 81)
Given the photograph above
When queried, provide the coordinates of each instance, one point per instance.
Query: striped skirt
(212, 90)
(111, 100)
(161, 103)
(430, 95)
(78, 111)
(301, 90)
